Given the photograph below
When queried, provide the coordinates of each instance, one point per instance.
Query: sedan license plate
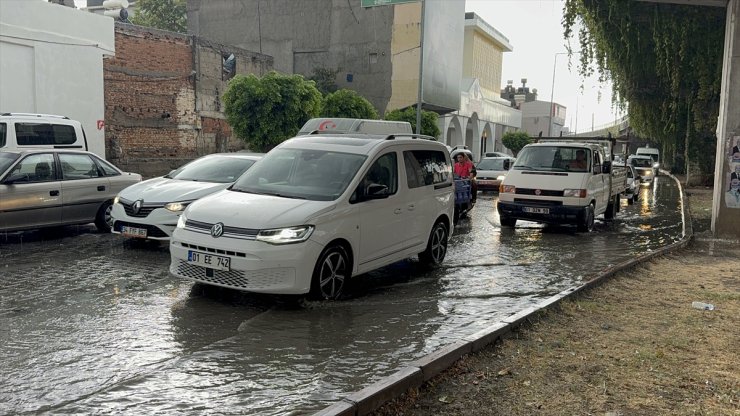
(133, 232)
(209, 261)
(533, 210)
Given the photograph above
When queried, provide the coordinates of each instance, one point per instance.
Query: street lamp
(552, 90)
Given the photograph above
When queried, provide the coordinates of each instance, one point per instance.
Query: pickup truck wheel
(587, 221)
(507, 221)
(611, 208)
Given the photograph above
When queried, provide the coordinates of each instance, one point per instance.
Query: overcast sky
(535, 31)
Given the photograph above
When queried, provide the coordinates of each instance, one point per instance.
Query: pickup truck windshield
(554, 158)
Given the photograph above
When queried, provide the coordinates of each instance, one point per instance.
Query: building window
(228, 65)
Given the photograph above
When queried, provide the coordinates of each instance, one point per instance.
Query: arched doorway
(487, 139)
(453, 137)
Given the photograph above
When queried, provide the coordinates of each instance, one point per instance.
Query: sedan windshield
(219, 169)
(491, 164)
(553, 158)
(317, 175)
(7, 159)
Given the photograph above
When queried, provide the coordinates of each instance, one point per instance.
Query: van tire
(436, 249)
(631, 199)
(587, 221)
(103, 219)
(507, 221)
(331, 273)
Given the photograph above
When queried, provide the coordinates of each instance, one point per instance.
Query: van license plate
(533, 210)
(209, 261)
(133, 232)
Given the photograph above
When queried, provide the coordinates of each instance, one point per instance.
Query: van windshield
(316, 175)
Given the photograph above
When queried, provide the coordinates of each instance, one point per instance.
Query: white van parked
(26, 131)
(318, 209)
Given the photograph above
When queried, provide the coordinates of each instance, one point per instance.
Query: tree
(263, 112)
(664, 62)
(516, 140)
(428, 119)
(162, 14)
(325, 79)
(348, 104)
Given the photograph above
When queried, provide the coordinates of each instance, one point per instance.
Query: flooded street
(92, 323)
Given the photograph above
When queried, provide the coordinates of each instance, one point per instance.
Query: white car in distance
(318, 209)
(150, 209)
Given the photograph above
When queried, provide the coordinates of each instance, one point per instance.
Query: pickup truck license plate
(209, 261)
(533, 210)
(133, 232)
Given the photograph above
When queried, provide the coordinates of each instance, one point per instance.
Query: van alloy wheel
(331, 273)
(436, 246)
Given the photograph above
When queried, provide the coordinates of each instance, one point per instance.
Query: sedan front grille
(144, 211)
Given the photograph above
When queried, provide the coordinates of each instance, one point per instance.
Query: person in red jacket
(465, 169)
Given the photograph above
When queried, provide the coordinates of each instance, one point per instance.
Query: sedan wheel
(331, 273)
(103, 219)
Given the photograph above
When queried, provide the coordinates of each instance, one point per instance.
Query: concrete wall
(163, 98)
(51, 61)
(726, 202)
(307, 34)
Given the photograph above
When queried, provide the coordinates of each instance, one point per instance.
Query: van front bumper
(548, 214)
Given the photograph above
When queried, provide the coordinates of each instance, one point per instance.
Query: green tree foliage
(162, 14)
(325, 79)
(263, 112)
(665, 64)
(516, 140)
(348, 104)
(428, 119)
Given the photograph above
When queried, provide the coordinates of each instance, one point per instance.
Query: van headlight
(287, 235)
(501, 178)
(181, 221)
(575, 193)
(507, 189)
(176, 206)
(116, 200)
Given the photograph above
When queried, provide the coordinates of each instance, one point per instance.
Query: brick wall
(156, 90)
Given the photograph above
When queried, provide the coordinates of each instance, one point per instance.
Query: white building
(51, 61)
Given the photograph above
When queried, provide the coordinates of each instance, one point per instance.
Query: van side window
(36, 168)
(597, 162)
(3, 134)
(76, 166)
(384, 171)
(35, 134)
(426, 167)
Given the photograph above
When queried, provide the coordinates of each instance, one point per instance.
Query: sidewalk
(631, 346)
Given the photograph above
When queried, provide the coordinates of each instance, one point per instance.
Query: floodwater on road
(93, 323)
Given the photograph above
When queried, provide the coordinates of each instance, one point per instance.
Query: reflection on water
(111, 333)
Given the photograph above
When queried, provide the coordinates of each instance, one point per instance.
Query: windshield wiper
(282, 195)
(524, 167)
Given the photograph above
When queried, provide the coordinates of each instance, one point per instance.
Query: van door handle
(54, 193)
(101, 188)
(398, 211)
(412, 207)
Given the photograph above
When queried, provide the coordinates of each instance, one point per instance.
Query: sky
(535, 31)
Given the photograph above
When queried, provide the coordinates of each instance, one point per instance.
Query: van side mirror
(607, 167)
(376, 191)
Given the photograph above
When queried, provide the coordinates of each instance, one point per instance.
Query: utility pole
(421, 69)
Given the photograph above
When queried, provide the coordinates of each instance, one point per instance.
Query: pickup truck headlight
(575, 193)
(176, 206)
(287, 235)
(511, 189)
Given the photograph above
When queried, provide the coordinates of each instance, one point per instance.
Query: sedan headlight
(176, 206)
(181, 221)
(575, 193)
(288, 235)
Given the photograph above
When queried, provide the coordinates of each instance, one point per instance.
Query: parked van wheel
(436, 246)
(612, 208)
(587, 222)
(507, 221)
(331, 273)
(103, 219)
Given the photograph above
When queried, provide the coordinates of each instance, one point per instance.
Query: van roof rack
(412, 135)
(34, 115)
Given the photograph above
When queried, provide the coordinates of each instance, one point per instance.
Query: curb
(423, 369)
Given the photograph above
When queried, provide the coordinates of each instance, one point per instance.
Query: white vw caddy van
(317, 210)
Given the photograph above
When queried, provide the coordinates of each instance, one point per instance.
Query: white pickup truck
(562, 181)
